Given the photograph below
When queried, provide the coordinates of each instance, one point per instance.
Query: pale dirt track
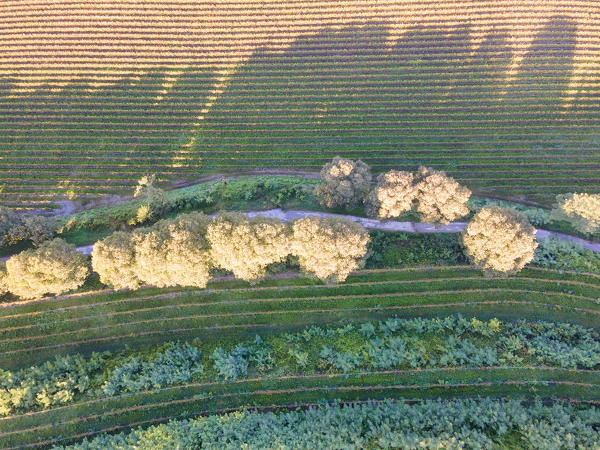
(390, 225)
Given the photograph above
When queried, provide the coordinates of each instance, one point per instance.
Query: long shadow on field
(104, 124)
(346, 92)
(536, 96)
(447, 95)
(313, 96)
(435, 97)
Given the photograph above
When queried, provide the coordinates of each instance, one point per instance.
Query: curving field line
(271, 325)
(296, 288)
(303, 389)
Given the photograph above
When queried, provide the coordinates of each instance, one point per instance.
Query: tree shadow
(431, 98)
(124, 120)
(536, 97)
(307, 97)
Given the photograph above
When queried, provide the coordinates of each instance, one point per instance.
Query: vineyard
(364, 312)
(247, 224)
(501, 95)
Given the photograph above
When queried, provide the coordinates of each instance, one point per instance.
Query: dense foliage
(394, 194)
(472, 424)
(54, 267)
(394, 343)
(565, 255)
(239, 193)
(409, 249)
(15, 228)
(3, 278)
(247, 246)
(53, 383)
(154, 203)
(176, 363)
(174, 252)
(183, 250)
(329, 248)
(499, 240)
(113, 258)
(344, 183)
(440, 199)
(581, 210)
(537, 217)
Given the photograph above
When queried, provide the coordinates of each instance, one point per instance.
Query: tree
(344, 183)
(246, 247)
(113, 258)
(155, 200)
(394, 195)
(499, 240)
(15, 228)
(174, 252)
(53, 268)
(9, 219)
(38, 229)
(440, 199)
(581, 210)
(329, 248)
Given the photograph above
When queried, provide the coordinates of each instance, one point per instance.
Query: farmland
(505, 101)
(299, 224)
(234, 312)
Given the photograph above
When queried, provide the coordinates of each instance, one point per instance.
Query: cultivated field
(503, 95)
(36, 332)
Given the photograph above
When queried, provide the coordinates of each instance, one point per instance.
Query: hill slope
(501, 94)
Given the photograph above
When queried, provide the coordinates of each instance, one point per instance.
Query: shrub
(565, 255)
(394, 195)
(393, 249)
(175, 364)
(499, 240)
(581, 210)
(246, 247)
(155, 200)
(55, 382)
(54, 267)
(329, 248)
(440, 199)
(15, 228)
(113, 258)
(429, 424)
(38, 229)
(174, 252)
(8, 221)
(344, 183)
(231, 365)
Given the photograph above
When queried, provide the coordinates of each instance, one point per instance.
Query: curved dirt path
(391, 225)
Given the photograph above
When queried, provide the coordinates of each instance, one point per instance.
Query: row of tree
(499, 240)
(436, 197)
(185, 251)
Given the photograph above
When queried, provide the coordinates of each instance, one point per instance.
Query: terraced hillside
(503, 95)
(32, 333)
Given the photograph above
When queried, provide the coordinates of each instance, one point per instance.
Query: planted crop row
(356, 347)
(273, 366)
(75, 421)
(94, 322)
(279, 109)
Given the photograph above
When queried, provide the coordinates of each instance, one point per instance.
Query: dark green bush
(408, 249)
